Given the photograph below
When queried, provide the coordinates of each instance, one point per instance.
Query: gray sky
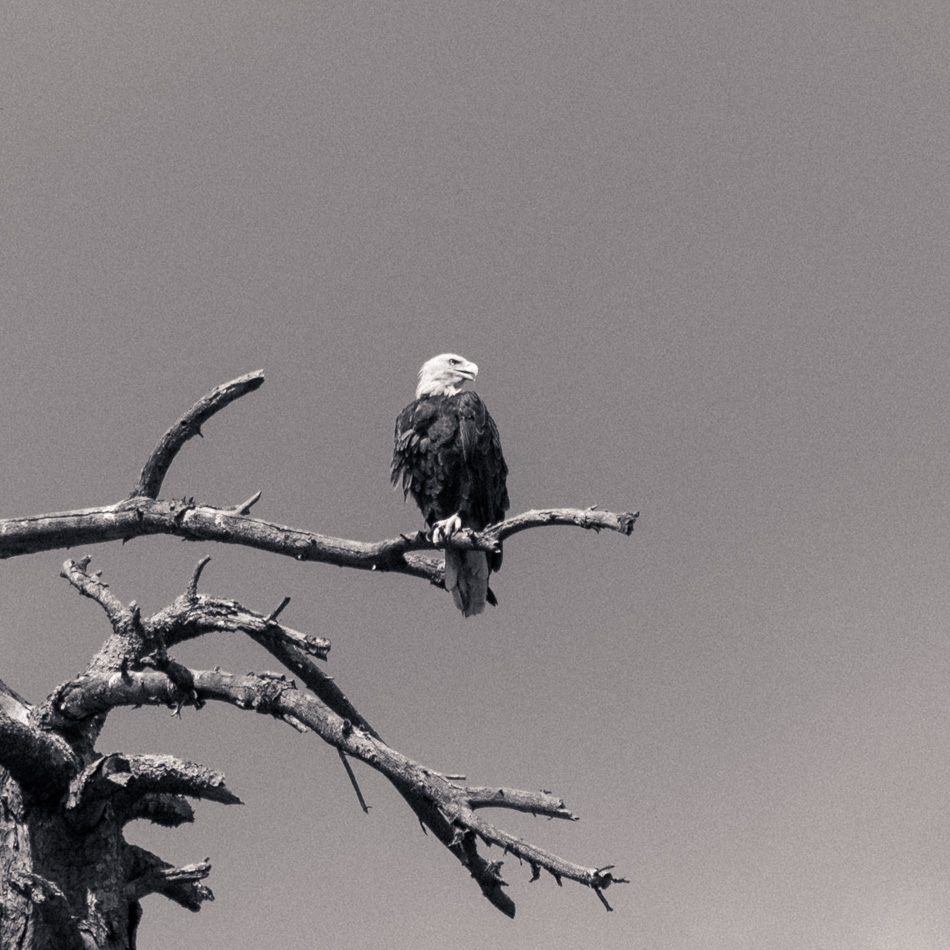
(700, 253)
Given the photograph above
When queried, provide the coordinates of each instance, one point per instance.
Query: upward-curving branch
(187, 427)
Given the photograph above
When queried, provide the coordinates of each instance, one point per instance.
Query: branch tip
(192, 589)
(603, 900)
(353, 782)
(245, 506)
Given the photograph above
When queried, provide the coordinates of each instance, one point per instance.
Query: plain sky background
(700, 253)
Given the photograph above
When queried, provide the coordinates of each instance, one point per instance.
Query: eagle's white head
(444, 375)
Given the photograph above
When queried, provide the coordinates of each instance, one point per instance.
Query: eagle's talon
(443, 531)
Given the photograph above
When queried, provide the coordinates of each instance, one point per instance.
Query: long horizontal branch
(135, 517)
(143, 514)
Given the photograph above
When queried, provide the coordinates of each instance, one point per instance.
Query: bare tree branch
(136, 517)
(126, 778)
(152, 875)
(166, 810)
(535, 803)
(129, 641)
(143, 513)
(442, 804)
(93, 587)
(190, 617)
(446, 807)
(593, 518)
(188, 426)
(93, 694)
(40, 761)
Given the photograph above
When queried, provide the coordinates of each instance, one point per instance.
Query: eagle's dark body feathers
(448, 457)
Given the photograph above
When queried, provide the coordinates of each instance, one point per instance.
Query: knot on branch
(264, 692)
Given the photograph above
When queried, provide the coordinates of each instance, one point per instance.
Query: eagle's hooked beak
(469, 370)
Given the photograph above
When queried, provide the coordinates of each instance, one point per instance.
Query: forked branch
(443, 804)
(447, 807)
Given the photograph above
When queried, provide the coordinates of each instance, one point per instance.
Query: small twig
(191, 591)
(93, 587)
(245, 506)
(603, 900)
(275, 613)
(353, 782)
(535, 803)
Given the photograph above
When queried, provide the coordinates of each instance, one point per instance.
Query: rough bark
(68, 878)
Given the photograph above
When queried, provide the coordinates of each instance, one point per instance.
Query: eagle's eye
(454, 362)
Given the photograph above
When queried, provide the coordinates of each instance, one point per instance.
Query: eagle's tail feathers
(466, 577)
(453, 563)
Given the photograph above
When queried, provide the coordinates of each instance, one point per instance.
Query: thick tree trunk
(62, 886)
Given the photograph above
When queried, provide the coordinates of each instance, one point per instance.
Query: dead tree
(68, 878)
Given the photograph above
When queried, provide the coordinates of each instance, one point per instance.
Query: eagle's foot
(443, 530)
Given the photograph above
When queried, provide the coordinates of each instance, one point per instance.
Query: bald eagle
(447, 455)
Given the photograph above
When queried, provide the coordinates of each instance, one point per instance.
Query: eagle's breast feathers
(448, 457)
